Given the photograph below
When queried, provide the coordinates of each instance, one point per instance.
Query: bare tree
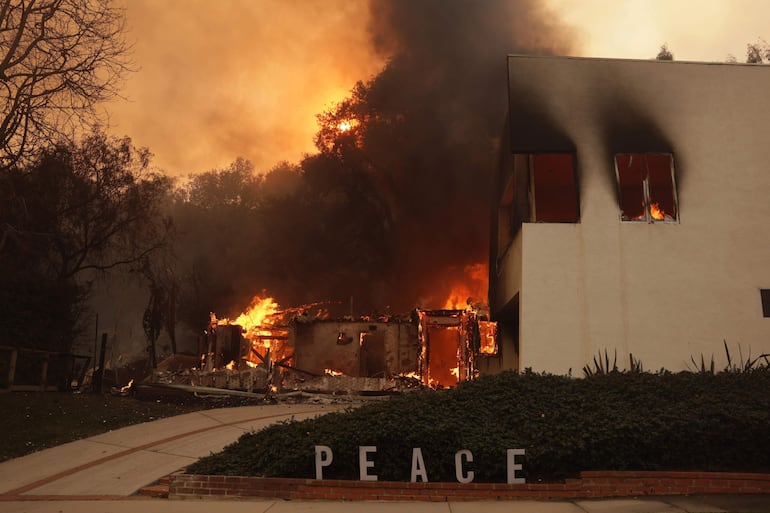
(58, 59)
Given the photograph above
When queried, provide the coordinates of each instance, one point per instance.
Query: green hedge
(615, 421)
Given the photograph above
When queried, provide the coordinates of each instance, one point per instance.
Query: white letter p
(323, 458)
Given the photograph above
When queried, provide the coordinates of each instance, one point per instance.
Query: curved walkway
(102, 473)
(118, 463)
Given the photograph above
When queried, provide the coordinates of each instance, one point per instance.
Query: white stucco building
(632, 213)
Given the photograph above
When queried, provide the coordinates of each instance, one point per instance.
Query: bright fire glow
(331, 372)
(257, 320)
(455, 372)
(127, 387)
(472, 285)
(346, 124)
(488, 333)
(656, 212)
(258, 314)
(259, 327)
(231, 365)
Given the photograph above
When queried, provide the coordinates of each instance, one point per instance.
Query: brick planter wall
(595, 484)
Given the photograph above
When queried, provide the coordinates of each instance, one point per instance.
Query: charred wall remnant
(451, 343)
(433, 348)
(360, 348)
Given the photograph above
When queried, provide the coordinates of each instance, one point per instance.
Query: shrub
(613, 421)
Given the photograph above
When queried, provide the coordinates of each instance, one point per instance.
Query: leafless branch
(58, 59)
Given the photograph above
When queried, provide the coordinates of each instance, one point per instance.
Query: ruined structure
(630, 213)
(293, 351)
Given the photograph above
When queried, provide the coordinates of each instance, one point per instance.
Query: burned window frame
(532, 193)
(516, 197)
(484, 349)
(646, 194)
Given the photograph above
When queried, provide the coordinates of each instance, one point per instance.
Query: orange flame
(656, 212)
(259, 313)
(257, 320)
(258, 323)
(331, 372)
(127, 387)
(488, 332)
(471, 287)
(346, 124)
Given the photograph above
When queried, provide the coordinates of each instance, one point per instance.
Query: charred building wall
(630, 212)
(355, 348)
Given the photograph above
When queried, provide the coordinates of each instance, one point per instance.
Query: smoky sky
(243, 78)
(217, 80)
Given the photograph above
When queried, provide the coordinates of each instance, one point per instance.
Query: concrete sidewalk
(120, 462)
(101, 474)
(745, 504)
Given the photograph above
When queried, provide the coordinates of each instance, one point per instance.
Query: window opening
(646, 187)
(554, 190)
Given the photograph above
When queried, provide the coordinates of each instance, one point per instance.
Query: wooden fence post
(99, 377)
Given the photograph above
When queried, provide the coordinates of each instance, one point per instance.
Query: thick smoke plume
(447, 82)
(226, 78)
(393, 210)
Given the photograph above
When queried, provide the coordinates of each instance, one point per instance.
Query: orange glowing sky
(695, 30)
(221, 79)
(228, 78)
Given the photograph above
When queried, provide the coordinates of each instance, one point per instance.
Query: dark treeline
(300, 233)
(70, 216)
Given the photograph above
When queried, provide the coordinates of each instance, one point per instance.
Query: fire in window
(646, 187)
(554, 192)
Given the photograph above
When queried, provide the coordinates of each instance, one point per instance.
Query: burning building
(272, 349)
(630, 212)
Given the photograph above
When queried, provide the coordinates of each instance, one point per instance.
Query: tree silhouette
(58, 59)
(77, 211)
(664, 54)
(758, 53)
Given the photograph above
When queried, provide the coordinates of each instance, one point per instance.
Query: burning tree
(393, 207)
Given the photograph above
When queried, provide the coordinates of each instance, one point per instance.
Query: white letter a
(418, 466)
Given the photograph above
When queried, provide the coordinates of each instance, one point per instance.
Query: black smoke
(390, 212)
(445, 89)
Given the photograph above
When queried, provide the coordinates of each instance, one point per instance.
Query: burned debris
(286, 353)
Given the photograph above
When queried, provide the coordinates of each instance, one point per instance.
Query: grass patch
(37, 420)
(614, 421)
